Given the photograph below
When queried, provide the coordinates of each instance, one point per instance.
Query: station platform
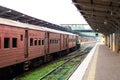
(100, 64)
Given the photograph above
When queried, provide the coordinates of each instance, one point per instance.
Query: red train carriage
(36, 44)
(12, 40)
(64, 42)
(72, 41)
(16, 44)
(22, 43)
(54, 42)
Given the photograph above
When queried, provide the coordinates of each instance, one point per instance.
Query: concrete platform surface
(104, 65)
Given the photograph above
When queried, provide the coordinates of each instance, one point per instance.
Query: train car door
(26, 44)
(64, 42)
(60, 41)
(47, 44)
(67, 41)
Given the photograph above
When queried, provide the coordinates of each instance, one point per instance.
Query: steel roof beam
(89, 5)
(99, 13)
(103, 25)
(101, 21)
(103, 18)
(87, 16)
(96, 27)
(116, 1)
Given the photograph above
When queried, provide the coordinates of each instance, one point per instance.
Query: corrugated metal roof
(102, 15)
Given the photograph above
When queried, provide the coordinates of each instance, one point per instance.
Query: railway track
(62, 69)
(60, 72)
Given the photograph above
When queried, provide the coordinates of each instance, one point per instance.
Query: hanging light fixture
(97, 29)
(105, 21)
(111, 13)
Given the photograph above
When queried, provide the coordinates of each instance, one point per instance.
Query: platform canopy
(102, 15)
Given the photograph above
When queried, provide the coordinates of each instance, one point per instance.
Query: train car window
(55, 41)
(42, 42)
(39, 42)
(31, 41)
(35, 42)
(6, 42)
(14, 42)
(21, 37)
(50, 41)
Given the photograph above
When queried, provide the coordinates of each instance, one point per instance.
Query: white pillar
(111, 43)
(114, 42)
(118, 43)
(108, 40)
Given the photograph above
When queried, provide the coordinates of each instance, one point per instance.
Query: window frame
(8, 43)
(35, 42)
(43, 41)
(39, 42)
(14, 42)
(31, 43)
(21, 37)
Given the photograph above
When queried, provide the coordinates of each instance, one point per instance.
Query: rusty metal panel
(35, 50)
(54, 47)
(10, 56)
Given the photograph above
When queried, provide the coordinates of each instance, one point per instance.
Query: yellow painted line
(91, 75)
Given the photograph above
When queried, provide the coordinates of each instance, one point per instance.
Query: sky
(54, 11)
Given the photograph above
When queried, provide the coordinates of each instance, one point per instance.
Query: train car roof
(57, 31)
(19, 24)
(30, 26)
